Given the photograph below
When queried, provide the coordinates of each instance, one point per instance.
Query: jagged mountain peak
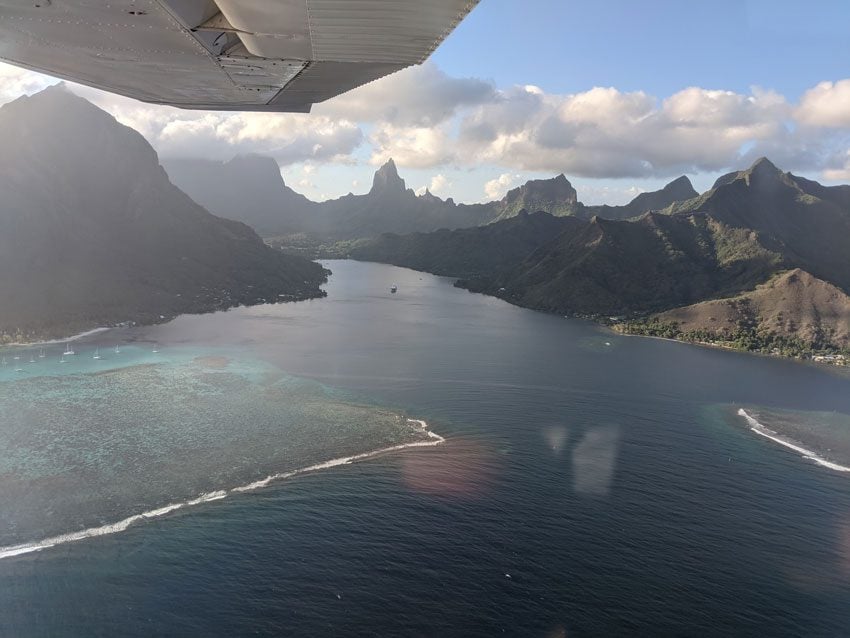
(680, 189)
(763, 165)
(681, 182)
(763, 171)
(558, 186)
(760, 170)
(55, 98)
(554, 195)
(387, 179)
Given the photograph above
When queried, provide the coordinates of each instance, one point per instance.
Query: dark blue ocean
(590, 483)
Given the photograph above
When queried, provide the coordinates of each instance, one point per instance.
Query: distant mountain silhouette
(680, 189)
(250, 189)
(748, 229)
(467, 252)
(555, 196)
(92, 232)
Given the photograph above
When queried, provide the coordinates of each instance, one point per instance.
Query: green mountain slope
(793, 305)
(750, 227)
(482, 251)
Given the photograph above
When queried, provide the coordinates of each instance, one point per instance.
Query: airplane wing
(245, 55)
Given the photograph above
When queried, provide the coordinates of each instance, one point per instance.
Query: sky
(620, 96)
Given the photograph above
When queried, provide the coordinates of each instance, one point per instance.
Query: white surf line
(120, 526)
(760, 429)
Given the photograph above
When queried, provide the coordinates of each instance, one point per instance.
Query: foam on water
(120, 526)
(761, 430)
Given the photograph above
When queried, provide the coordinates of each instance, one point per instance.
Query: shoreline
(20, 549)
(601, 321)
(821, 365)
(156, 319)
(51, 342)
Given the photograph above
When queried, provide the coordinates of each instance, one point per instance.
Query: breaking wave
(760, 429)
(120, 526)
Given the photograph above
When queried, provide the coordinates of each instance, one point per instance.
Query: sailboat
(117, 350)
(155, 347)
(41, 354)
(32, 359)
(4, 361)
(68, 349)
(96, 353)
(16, 357)
(62, 359)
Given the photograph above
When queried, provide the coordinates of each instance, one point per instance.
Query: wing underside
(251, 55)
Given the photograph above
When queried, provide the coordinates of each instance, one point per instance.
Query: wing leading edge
(246, 55)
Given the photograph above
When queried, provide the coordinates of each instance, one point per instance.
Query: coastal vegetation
(745, 337)
(760, 262)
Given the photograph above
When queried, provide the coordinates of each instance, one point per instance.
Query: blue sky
(658, 46)
(620, 95)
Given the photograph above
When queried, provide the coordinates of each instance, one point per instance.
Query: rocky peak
(763, 171)
(680, 188)
(387, 180)
(555, 189)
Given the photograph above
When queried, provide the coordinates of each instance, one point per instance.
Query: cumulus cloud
(423, 118)
(438, 185)
(288, 137)
(827, 104)
(604, 132)
(496, 188)
(839, 168)
(419, 96)
(414, 147)
(15, 82)
(611, 195)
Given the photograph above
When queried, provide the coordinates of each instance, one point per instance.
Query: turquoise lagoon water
(90, 442)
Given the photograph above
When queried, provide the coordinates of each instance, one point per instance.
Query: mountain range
(93, 233)
(250, 189)
(748, 229)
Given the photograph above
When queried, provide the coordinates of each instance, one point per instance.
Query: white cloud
(419, 96)
(839, 169)
(496, 188)
(414, 147)
(288, 137)
(424, 118)
(827, 104)
(604, 132)
(611, 195)
(15, 82)
(440, 184)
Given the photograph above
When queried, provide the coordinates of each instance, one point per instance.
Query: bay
(589, 484)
